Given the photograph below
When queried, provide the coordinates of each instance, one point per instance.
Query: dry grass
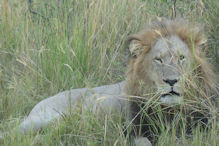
(75, 44)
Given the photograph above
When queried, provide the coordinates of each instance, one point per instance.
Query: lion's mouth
(171, 98)
(171, 93)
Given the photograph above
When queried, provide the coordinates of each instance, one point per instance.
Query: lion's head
(165, 57)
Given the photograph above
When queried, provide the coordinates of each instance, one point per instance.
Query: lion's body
(105, 98)
(162, 57)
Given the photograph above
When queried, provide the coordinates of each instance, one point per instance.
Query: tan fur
(193, 36)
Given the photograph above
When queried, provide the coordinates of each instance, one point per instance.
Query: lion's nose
(170, 82)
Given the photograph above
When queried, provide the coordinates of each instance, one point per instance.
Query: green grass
(75, 44)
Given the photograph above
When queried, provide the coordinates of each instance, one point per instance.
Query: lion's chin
(171, 99)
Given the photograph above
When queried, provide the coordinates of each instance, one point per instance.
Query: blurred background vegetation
(55, 45)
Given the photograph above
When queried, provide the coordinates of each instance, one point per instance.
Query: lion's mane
(193, 36)
(137, 81)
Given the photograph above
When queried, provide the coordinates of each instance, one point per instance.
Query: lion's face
(166, 58)
(170, 58)
(162, 68)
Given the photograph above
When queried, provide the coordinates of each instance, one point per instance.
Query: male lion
(164, 58)
(167, 61)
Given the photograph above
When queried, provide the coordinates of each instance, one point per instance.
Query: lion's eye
(158, 60)
(181, 57)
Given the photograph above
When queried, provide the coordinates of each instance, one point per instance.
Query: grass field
(52, 46)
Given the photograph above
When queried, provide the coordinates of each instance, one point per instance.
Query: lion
(163, 58)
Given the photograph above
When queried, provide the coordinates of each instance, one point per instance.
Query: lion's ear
(135, 46)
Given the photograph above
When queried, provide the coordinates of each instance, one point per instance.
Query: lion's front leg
(142, 141)
(142, 130)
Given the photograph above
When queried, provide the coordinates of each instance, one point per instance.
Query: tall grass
(71, 44)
